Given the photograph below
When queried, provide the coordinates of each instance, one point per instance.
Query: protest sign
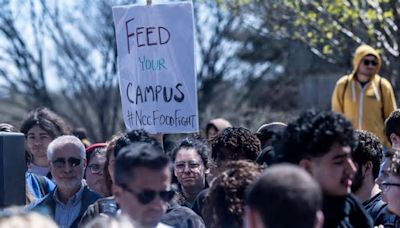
(157, 77)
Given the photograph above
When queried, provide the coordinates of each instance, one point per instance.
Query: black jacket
(176, 216)
(345, 212)
(378, 211)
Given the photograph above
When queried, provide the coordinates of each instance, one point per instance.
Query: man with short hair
(364, 97)
(143, 184)
(321, 143)
(392, 128)
(285, 196)
(70, 199)
(367, 157)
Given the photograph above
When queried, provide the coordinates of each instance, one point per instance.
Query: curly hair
(224, 203)
(312, 135)
(368, 149)
(193, 142)
(133, 137)
(395, 166)
(49, 121)
(235, 143)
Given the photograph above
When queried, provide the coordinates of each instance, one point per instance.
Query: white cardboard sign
(156, 66)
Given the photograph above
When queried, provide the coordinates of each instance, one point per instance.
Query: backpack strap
(345, 87)
(42, 184)
(383, 103)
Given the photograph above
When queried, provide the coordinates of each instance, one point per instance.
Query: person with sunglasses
(363, 96)
(142, 185)
(67, 203)
(391, 188)
(175, 216)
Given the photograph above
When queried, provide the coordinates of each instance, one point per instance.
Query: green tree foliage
(61, 59)
(331, 29)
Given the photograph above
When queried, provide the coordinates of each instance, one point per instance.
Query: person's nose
(157, 203)
(186, 169)
(351, 167)
(37, 142)
(68, 168)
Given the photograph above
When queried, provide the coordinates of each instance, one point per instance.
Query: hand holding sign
(156, 67)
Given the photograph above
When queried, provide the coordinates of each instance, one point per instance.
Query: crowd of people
(324, 169)
(316, 171)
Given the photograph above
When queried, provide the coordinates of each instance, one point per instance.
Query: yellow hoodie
(366, 107)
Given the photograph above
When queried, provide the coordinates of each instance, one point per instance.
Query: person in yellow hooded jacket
(364, 97)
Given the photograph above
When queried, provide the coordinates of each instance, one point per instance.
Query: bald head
(287, 185)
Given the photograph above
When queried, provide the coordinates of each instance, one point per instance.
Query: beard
(358, 181)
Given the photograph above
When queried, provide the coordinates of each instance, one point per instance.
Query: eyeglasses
(95, 169)
(180, 166)
(61, 162)
(367, 62)
(386, 186)
(147, 195)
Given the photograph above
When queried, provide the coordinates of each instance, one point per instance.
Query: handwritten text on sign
(156, 67)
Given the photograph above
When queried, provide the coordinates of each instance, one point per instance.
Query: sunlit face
(37, 141)
(368, 66)
(391, 190)
(189, 169)
(149, 214)
(94, 174)
(334, 171)
(65, 168)
(383, 175)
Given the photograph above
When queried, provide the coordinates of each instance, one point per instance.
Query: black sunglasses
(367, 62)
(147, 195)
(61, 162)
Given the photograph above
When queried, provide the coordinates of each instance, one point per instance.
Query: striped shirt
(66, 214)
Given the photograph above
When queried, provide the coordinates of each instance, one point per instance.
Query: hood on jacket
(219, 123)
(363, 51)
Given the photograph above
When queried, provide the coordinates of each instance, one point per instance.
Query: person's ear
(252, 218)
(319, 219)
(50, 166)
(117, 190)
(207, 171)
(306, 164)
(367, 168)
